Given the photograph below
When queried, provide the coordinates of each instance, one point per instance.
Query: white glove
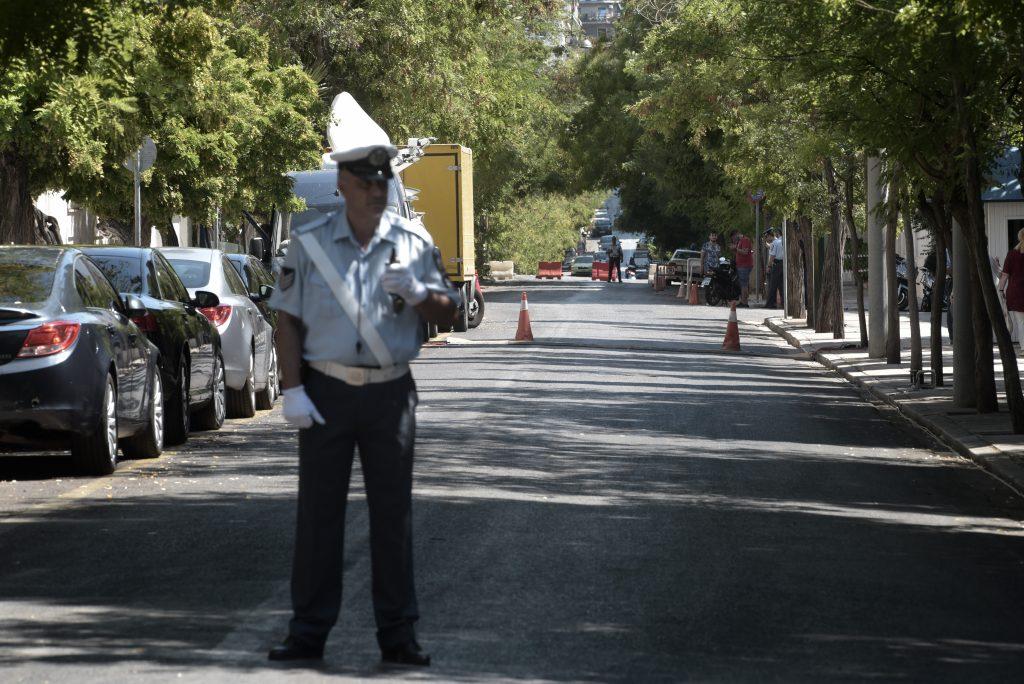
(298, 408)
(399, 280)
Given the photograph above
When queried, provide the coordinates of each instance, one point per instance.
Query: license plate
(705, 282)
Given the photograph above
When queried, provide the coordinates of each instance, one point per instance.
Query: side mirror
(133, 305)
(257, 248)
(265, 292)
(205, 300)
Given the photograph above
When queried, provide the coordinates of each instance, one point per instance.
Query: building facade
(598, 18)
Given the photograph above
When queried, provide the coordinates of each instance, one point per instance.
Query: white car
(247, 339)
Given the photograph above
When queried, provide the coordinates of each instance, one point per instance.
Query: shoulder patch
(287, 278)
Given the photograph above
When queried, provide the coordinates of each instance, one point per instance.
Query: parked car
(259, 283)
(246, 338)
(583, 265)
(75, 371)
(191, 359)
(677, 265)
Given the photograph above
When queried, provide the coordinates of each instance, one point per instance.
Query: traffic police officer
(353, 294)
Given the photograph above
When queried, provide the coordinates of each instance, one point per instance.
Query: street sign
(145, 156)
(755, 197)
(137, 163)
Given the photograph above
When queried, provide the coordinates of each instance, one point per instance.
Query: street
(619, 501)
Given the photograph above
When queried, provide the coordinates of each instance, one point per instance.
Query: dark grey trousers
(380, 420)
(774, 286)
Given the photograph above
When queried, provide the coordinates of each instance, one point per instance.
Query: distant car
(260, 283)
(75, 371)
(582, 265)
(600, 257)
(246, 337)
(190, 355)
(677, 265)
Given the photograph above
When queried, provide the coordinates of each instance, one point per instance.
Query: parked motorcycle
(723, 285)
(927, 283)
(927, 280)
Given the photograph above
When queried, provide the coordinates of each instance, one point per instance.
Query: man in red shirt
(743, 248)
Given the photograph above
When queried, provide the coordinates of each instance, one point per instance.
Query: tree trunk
(794, 271)
(984, 368)
(855, 246)
(830, 299)
(17, 210)
(935, 214)
(893, 338)
(915, 321)
(975, 215)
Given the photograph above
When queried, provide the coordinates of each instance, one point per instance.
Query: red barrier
(549, 269)
(599, 271)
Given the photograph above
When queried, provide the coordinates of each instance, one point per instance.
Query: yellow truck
(439, 185)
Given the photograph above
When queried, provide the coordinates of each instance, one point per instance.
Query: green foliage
(668, 188)
(539, 227)
(473, 73)
(227, 121)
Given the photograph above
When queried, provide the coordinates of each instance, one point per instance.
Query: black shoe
(408, 653)
(291, 649)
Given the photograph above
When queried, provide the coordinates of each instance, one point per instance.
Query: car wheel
(211, 416)
(96, 453)
(462, 315)
(178, 416)
(242, 402)
(150, 442)
(476, 309)
(265, 397)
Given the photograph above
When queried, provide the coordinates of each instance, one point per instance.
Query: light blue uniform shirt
(330, 335)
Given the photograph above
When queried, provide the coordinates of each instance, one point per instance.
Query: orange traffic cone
(524, 333)
(694, 298)
(732, 331)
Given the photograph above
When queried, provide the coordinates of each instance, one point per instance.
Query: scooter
(927, 283)
(723, 285)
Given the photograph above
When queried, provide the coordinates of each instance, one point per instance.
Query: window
(177, 291)
(26, 274)
(124, 272)
(94, 289)
(602, 13)
(602, 33)
(235, 283)
(192, 273)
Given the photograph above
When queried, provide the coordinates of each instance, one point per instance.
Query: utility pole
(962, 334)
(876, 264)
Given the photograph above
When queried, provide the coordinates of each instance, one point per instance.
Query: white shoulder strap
(348, 303)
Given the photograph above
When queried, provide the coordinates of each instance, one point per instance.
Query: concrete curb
(1006, 467)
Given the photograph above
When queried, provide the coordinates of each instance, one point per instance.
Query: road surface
(620, 501)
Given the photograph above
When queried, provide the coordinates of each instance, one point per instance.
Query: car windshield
(26, 275)
(193, 273)
(124, 272)
(583, 259)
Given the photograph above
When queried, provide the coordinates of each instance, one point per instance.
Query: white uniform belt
(357, 375)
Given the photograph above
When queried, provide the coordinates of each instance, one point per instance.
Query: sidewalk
(985, 439)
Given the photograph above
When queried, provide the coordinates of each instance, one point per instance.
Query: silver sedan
(246, 337)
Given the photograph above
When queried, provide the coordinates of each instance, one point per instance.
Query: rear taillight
(47, 339)
(218, 315)
(146, 322)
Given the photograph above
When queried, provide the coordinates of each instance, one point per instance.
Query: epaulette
(319, 222)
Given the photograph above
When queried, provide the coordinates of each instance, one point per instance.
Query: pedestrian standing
(775, 264)
(743, 248)
(615, 259)
(354, 293)
(710, 253)
(1011, 287)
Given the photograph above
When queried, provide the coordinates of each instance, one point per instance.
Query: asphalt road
(620, 501)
